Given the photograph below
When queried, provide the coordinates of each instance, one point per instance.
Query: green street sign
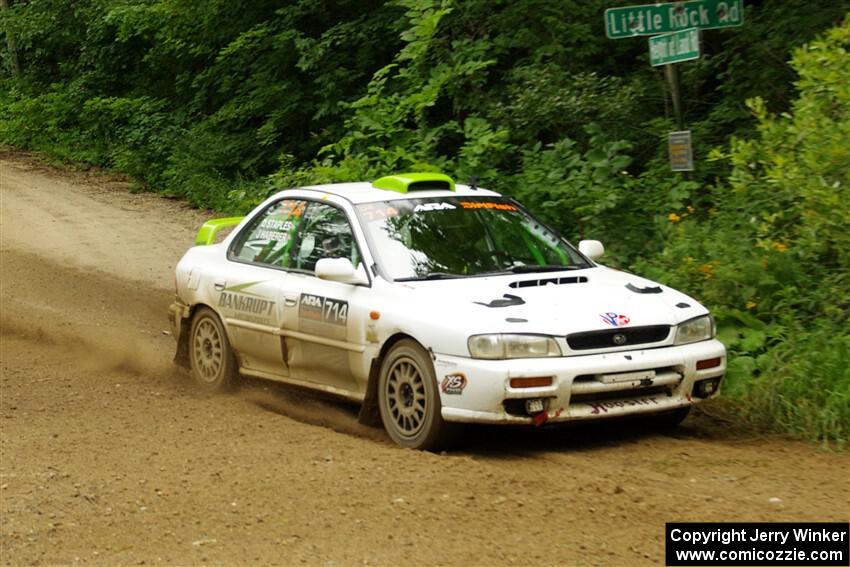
(652, 19)
(674, 47)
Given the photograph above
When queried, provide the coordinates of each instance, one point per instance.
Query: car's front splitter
(583, 387)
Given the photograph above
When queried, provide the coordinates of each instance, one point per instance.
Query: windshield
(445, 237)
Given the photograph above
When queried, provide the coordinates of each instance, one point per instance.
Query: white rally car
(436, 304)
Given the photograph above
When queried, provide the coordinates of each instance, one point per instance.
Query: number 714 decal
(323, 309)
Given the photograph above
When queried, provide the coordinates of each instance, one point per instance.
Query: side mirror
(593, 249)
(341, 270)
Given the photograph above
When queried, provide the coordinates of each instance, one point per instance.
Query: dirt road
(109, 456)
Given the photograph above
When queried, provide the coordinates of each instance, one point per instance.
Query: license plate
(626, 377)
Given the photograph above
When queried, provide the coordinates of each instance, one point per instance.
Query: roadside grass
(804, 391)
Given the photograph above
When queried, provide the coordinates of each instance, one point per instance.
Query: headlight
(698, 329)
(495, 347)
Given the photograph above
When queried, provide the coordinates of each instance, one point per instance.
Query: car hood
(556, 303)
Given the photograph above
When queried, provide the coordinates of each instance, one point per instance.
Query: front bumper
(579, 387)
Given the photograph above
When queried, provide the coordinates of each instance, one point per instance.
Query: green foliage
(774, 252)
(390, 129)
(543, 100)
(190, 97)
(584, 193)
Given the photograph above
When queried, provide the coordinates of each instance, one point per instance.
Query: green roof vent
(409, 182)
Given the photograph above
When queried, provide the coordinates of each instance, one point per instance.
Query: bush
(773, 255)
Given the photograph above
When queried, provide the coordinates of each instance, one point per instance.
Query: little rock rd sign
(651, 19)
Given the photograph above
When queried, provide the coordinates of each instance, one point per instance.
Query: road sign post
(676, 27)
(653, 19)
(668, 50)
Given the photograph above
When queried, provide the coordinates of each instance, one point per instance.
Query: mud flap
(180, 327)
(181, 356)
(370, 414)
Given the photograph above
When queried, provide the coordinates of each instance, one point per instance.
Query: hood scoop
(548, 281)
(647, 289)
(507, 300)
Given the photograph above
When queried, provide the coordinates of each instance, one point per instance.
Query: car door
(250, 292)
(325, 321)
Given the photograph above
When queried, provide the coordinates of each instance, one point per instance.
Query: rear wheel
(213, 363)
(408, 399)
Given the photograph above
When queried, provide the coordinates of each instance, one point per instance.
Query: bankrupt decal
(323, 309)
(237, 298)
(453, 384)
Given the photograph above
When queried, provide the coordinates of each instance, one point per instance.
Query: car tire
(211, 358)
(670, 419)
(409, 400)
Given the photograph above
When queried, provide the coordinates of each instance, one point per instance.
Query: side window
(269, 238)
(325, 234)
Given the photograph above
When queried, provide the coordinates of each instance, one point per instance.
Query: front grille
(618, 337)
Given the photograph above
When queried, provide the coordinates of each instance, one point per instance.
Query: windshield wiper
(430, 276)
(529, 269)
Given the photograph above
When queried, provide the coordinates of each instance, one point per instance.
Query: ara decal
(323, 309)
(425, 207)
(615, 320)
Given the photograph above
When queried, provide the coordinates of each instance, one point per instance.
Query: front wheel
(409, 401)
(213, 363)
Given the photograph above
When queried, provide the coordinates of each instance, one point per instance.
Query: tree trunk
(11, 45)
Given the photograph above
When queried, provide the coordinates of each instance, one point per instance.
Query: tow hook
(540, 418)
(536, 408)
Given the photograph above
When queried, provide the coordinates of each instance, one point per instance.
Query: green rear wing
(209, 230)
